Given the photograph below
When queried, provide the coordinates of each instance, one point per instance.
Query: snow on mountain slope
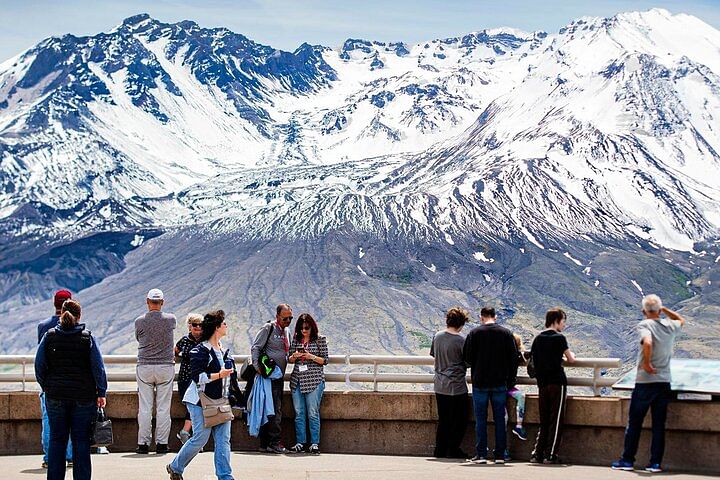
(603, 130)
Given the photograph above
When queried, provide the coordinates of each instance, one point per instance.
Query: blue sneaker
(654, 468)
(622, 465)
(520, 432)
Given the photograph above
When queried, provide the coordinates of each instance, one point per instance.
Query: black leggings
(452, 422)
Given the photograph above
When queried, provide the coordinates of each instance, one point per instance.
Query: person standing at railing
(52, 322)
(652, 384)
(272, 339)
(307, 381)
(450, 385)
(519, 396)
(491, 353)
(155, 372)
(182, 351)
(70, 370)
(547, 352)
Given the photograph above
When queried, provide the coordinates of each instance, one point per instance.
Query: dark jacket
(203, 360)
(69, 366)
(491, 353)
(46, 325)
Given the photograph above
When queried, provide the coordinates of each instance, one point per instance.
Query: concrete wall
(404, 424)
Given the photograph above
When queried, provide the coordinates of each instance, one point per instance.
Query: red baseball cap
(60, 297)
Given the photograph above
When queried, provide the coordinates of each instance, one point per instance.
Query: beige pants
(155, 384)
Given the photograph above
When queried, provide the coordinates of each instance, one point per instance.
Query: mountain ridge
(498, 153)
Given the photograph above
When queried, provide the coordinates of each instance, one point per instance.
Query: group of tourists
(70, 370)
(493, 354)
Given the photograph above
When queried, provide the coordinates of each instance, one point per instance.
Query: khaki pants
(155, 384)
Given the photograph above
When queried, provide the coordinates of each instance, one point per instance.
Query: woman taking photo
(182, 350)
(70, 370)
(210, 370)
(451, 391)
(307, 381)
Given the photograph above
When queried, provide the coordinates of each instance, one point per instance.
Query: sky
(285, 24)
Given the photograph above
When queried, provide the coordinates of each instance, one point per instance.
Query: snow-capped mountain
(499, 156)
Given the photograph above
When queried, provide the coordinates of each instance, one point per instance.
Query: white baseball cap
(155, 294)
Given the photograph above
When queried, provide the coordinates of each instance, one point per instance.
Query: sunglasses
(306, 328)
(196, 325)
(287, 319)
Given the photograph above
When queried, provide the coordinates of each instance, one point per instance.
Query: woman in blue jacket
(211, 368)
(70, 370)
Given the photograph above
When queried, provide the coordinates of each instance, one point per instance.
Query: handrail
(596, 381)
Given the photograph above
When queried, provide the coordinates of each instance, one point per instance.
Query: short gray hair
(194, 318)
(651, 303)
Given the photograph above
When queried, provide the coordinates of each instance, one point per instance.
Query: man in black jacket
(491, 353)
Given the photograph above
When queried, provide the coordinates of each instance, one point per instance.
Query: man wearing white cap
(155, 372)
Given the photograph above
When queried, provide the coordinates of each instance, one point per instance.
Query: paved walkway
(251, 466)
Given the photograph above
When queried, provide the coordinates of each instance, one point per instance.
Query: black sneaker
(553, 460)
(479, 460)
(278, 449)
(535, 459)
(314, 449)
(297, 448)
(142, 448)
(173, 475)
(161, 448)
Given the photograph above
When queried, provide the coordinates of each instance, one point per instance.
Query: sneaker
(622, 465)
(535, 459)
(279, 449)
(499, 461)
(69, 464)
(142, 448)
(297, 448)
(520, 432)
(654, 468)
(161, 448)
(552, 460)
(102, 450)
(506, 455)
(314, 449)
(173, 475)
(44, 465)
(479, 460)
(183, 436)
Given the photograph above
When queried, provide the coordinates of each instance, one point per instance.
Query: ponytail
(70, 314)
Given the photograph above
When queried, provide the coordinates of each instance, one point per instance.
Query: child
(519, 397)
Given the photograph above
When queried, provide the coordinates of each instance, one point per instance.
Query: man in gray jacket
(276, 336)
(155, 372)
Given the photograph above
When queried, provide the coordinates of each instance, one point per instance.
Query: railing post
(23, 374)
(347, 371)
(596, 377)
(375, 372)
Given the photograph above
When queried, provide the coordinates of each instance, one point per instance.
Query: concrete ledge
(400, 423)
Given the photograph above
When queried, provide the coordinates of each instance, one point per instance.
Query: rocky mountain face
(374, 185)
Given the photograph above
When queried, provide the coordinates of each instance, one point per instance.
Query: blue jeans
(654, 396)
(307, 406)
(70, 418)
(200, 436)
(46, 433)
(497, 396)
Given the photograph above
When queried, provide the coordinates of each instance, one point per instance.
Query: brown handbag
(215, 411)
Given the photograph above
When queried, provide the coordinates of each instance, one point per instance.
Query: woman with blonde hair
(182, 351)
(70, 370)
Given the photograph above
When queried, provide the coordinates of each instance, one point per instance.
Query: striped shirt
(314, 375)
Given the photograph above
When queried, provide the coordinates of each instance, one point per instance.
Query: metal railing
(349, 373)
